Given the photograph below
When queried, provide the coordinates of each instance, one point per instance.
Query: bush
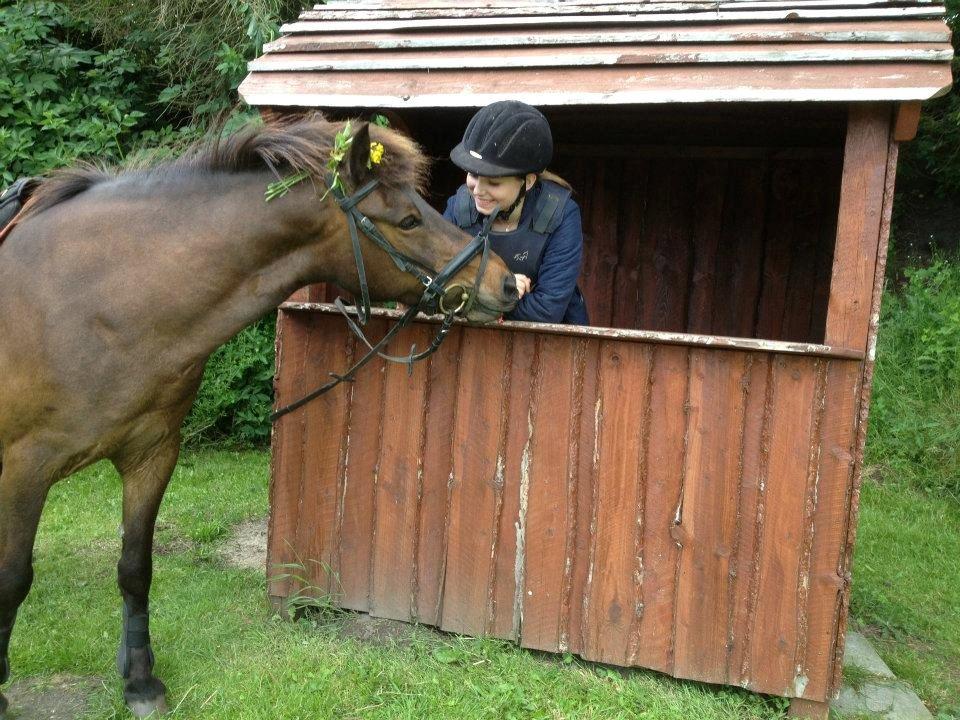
(197, 50)
(60, 101)
(931, 163)
(914, 434)
(235, 398)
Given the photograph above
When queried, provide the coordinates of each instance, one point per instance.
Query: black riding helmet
(504, 139)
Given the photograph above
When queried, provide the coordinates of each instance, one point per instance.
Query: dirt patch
(376, 631)
(61, 697)
(247, 545)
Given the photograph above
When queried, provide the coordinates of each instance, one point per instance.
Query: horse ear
(359, 158)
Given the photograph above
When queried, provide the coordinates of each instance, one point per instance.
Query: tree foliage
(60, 99)
(197, 50)
(931, 163)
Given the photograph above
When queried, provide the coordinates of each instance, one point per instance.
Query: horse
(116, 286)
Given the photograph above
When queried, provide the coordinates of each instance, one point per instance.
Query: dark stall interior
(712, 219)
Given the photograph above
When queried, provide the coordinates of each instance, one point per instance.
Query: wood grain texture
(477, 464)
(680, 508)
(399, 478)
(610, 597)
(664, 470)
(286, 456)
(858, 227)
(706, 521)
(547, 523)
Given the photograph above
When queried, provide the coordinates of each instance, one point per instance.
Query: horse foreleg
(24, 483)
(145, 478)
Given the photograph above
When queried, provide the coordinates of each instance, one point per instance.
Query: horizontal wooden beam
(914, 31)
(600, 85)
(593, 57)
(379, 11)
(665, 338)
(714, 18)
(906, 121)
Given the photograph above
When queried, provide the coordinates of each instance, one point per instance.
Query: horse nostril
(510, 291)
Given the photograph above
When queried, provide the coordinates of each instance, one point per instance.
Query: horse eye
(409, 222)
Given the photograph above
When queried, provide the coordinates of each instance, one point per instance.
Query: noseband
(433, 300)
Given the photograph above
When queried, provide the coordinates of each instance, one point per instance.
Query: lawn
(224, 655)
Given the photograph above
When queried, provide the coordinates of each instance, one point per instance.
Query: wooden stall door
(681, 508)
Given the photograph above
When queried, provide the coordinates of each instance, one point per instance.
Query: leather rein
(433, 299)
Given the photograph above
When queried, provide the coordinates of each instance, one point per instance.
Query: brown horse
(115, 288)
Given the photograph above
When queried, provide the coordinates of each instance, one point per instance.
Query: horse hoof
(3, 707)
(146, 698)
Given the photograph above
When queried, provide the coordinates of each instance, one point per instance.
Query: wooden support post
(808, 709)
(858, 226)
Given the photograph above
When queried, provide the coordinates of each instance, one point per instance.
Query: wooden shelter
(676, 486)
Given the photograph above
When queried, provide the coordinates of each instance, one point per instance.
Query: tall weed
(914, 434)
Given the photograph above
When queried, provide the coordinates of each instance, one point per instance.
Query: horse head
(395, 168)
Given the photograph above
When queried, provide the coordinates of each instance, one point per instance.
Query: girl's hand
(524, 284)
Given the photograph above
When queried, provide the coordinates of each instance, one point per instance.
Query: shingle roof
(466, 53)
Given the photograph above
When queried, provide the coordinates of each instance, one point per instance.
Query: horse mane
(288, 146)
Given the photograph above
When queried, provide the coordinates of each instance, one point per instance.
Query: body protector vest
(521, 249)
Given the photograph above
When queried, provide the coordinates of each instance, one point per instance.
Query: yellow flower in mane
(376, 153)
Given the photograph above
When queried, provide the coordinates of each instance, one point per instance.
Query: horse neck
(251, 254)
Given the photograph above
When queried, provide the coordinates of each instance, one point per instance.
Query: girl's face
(489, 192)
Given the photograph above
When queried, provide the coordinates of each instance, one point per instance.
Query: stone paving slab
(859, 653)
(880, 695)
(886, 699)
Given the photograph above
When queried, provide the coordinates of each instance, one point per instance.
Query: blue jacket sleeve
(449, 213)
(559, 269)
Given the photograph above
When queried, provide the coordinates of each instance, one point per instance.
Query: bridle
(433, 299)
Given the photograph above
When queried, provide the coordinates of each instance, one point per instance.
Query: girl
(505, 152)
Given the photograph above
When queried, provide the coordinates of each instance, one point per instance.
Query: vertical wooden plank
(858, 228)
(738, 264)
(604, 246)
(521, 377)
(793, 427)
(783, 232)
(829, 201)
(546, 467)
(398, 482)
(323, 431)
(631, 207)
(670, 220)
(476, 458)
(611, 602)
(580, 173)
(864, 408)
(581, 495)
(808, 221)
(833, 490)
(707, 528)
(286, 457)
(707, 216)
(360, 479)
(745, 569)
(437, 471)
(664, 476)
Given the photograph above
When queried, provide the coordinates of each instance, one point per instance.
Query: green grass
(906, 588)
(223, 655)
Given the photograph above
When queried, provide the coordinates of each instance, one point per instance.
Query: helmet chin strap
(505, 214)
